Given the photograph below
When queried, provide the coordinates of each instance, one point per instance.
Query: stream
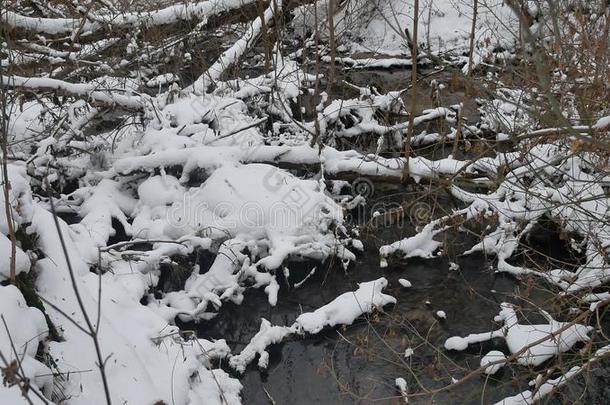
(359, 363)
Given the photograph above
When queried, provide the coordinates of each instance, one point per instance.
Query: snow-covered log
(343, 310)
(241, 46)
(92, 92)
(95, 22)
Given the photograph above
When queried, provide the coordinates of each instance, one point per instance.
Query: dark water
(358, 364)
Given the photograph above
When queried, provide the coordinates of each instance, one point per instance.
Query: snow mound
(494, 356)
(532, 344)
(255, 208)
(346, 308)
(22, 262)
(519, 336)
(27, 328)
(259, 201)
(421, 245)
(140, 344)
(266, 336)
(404, 282)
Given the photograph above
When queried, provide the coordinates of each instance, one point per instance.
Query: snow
(199, 10)
(596, 300)
(27, 328)
(550, 385)
(379, 28)
(19, 207)
(26, 122)
(161, 80)
(336, 162)
(91, 90)
(421, 245)
(401, 385)
(531, 344)
(508, 113)
(100, 204)
(461, 343)
(453, 266)
(371, 63)
(602, 123)
(19, 197)
(519, 337)
(266, 336)
(22, 262)
(344, 309)
(158, 191)
(496, 357)
(516, 204)
(404, 283)
(127, 331)
(273, 213)
(230, 56)
(246, 170)
(304, 280)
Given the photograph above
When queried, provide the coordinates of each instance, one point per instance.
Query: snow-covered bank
(386, 26)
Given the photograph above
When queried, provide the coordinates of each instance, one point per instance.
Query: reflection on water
(359, 363)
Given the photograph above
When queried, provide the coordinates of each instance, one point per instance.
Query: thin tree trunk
(6, 185)
(260, 8)
(458, 132)
(333, 45)
(316, 136)
(413, 90)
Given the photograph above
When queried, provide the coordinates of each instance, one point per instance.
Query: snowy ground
(137, 140)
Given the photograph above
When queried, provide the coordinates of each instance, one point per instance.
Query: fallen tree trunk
(232, 55)
(343, 165)
(93, 23)
(89, 91)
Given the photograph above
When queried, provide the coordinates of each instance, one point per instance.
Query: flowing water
(359, 363)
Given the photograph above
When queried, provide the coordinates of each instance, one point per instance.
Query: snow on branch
(346, 308)
(543, 388)
(96, 22)
(232, 55)
(343, 310)
(92, 92)
(528, 342)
